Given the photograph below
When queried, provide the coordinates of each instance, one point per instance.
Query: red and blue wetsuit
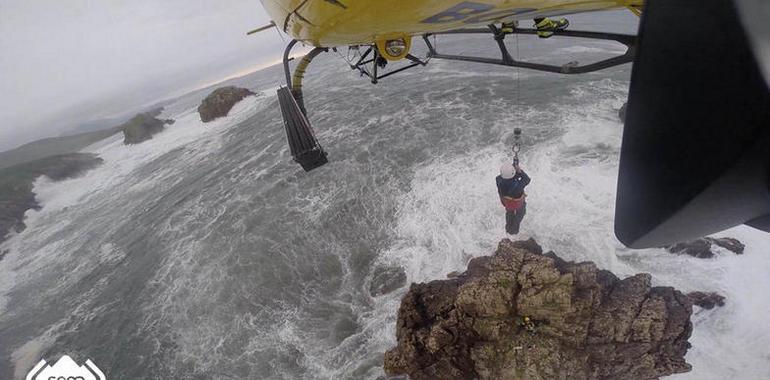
(511, 190)
(512, 197)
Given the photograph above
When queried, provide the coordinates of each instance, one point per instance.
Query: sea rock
(586, 323)
(622, 112)
(453, 274)
(221, 101)
(142, 127)
(16, 185)
(386, 280)
(700, 248)
(703, 247)
(706, 300)
(730, 244)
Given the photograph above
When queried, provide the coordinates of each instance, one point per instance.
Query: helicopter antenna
(266, 27)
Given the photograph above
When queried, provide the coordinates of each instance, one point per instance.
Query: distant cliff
(16, 182)
(99, 130)
(521, 314)
(53, 146)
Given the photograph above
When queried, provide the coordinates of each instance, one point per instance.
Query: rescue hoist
(516, 145)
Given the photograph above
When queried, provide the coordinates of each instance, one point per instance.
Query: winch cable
(516, 145)
(518, 72)
(517, 131)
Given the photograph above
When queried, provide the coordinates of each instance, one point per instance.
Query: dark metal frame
(506, 60)
(286, 59)
(360, 65)
(305, 147)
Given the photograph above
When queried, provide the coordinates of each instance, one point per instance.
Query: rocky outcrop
(142, 127)
(585, 323)
(386, 279)
(700, 248)
(221, 101)
(622, 112)
(704, 247)
(706, 300)
(731, 244)
(16, 183)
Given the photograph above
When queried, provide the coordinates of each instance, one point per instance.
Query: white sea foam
(26, 356)
(729, 342)
(30, 252)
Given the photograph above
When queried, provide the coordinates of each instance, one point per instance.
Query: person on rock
(510, 187)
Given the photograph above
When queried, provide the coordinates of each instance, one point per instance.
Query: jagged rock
(700, 248)
(706, 300)
(221, 101)
(142, 127)
(703, 248)
(588, 324)
(730, 244)
(386, 280)
(16, 183)
(622, 112)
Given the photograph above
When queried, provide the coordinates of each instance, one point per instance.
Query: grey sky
(62, 60)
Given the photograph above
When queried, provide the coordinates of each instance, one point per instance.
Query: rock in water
(386, 280)
(703, 248)
(586, 323)
(622, 112)
(700, 248)
(730, 244)
(221, 101)
(142, 127)
(706, 300)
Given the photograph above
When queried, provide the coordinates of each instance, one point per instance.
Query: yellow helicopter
(695, 155)
(326, 23)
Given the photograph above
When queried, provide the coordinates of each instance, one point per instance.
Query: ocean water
(205, 253)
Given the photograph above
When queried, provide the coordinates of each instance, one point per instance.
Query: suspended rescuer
(510, 186)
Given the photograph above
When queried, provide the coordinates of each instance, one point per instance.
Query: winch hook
(516, 145)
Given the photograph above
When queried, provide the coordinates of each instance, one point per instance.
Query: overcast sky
(65, 59)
